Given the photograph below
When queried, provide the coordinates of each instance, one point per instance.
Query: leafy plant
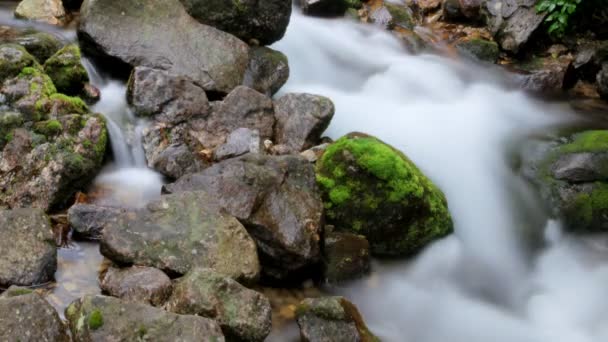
(560, 12)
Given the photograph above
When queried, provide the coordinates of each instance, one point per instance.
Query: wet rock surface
(100, 318)
(346, 257)
(181, 231)
(276, 198)
(243, 314)
(29, 255)
(145, 285)
(268, 70)
(88, 220)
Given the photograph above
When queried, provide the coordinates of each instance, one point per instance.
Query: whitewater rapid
(456, 122)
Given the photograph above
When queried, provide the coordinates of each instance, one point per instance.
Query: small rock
(145, 285)
(48, 11)
(332, 319)
(481, 49)
(27, 317)
(268, 70)
(243, 314)
(391, 15)
(87, 220)
(101, 318)
(346, 257)
(314, 153)
(29, 254)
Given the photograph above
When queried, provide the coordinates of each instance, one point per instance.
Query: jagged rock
(263, 21)
(276, 198)
(160, 34)
(48, 11)
(87, 220)
(331, 319)
(100, 318)
(137, 284)
(164, 96)
(29, 255)
(243, 314)
(26, 317)
(268, 70)
(178, 232)
(301, 119)
(513, 21)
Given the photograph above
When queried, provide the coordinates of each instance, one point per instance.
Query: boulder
(29, 254)
(64, 68)
(332, 319)
(480, 49)
(13, 58)
(276, 198)
(137, 284)
(100, 318)
(88, 220)
(301, 119)
(41, 45)
(47, 11)
(178, 232)
(602, 81)
(346, 256)
(262, 21)
(160, 34)
(268, 70)
(243, 314)
(175, 150)
(513, 22)
(372, 189)
(166, 97)
(26, 317)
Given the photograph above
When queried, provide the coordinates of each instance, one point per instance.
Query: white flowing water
(456, 122)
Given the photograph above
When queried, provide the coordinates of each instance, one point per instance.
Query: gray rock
(264, 21)
(331, 319)
(346, 257)
(238, 143)
(160, 34)
(276, 198)
(48, 11)
(602, 81)
(27, 317)
(243, 314)
(29, 254)
(178, 232)
(166, 97)
(581, 167)
(301, 119)
(100, 318)
(41, 45)
(145, 285)
(268, 70)
(87, 220)
(513, 22)
(13, 58)
(390, 15)
(480, 49)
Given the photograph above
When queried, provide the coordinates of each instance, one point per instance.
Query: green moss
(13, 58)
(48, 128)
(69, 104)
(588, 141)
(401, 15)
(95, 320)
(588, 209)
(20, 291)
(66, 71)
(482, 49)
(339, 194)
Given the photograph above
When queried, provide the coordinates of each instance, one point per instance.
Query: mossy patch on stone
(479, 48)
(588, 141)
(95, 320)
(66, 70)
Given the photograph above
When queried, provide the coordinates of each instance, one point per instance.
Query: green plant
(559, 14)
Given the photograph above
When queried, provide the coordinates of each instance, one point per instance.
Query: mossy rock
(401, 15)
(41, 45)
(66, 70)
(481, 49)
(372, 189)
(13, 58)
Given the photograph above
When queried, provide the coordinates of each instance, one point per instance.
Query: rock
(243, 314)
(15, 291)
(602, 81)
(372, 189)
(513, 22)
(189, 147)
(301, 119)
(28, 317)
(391, 15)
(276, 198)
(268, 70)
(64, 68)
(313, 154)
(166, 97)
(459, 9)
(47, 11)
(481, 49)
(145, 285)
(45, 166)
(346, 257)
(331, 319)
(572, 177)
(87, 220)
(160, 34)
(13, 58)
(41, 45)
(263, 21)
(100, 318)
(238, 143)
(29, 255)
(178, 232)
(327, 8)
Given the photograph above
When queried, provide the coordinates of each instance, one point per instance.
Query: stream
(508, 273)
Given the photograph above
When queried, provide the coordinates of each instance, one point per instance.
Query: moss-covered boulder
(29, 93)
(479, 48)
(66, 70)
(572, 175)
(100, 318)
(41, 45)
(331, 319)
(13, 58)
(372, 189)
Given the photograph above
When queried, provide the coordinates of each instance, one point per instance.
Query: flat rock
(146, 285)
